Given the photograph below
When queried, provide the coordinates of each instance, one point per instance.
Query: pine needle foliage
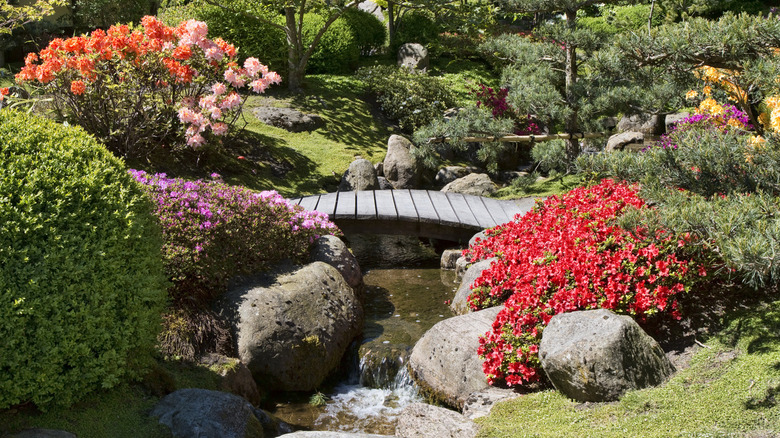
(714, 185)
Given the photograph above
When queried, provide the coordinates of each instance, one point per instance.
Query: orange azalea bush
(136, 88)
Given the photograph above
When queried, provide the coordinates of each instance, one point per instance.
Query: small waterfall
(356, 408)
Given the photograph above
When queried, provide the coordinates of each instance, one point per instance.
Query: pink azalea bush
(137, 87)
(569, 254)
(213, 231)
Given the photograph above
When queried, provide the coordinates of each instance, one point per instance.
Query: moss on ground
(732, 388)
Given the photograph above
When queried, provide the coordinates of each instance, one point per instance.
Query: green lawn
(732, 388)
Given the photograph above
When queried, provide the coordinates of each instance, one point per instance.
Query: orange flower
(77, 87)
(4, 92)
(182, 52)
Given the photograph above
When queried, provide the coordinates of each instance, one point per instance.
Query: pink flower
(253, 67)
(196, 141)
(232, 101)
(272, 78)
(219, 88)
(219, 128)
(187, 115)
(234, 78)
(258, 85)
(216, 113)
(214, 53)
(208, 102)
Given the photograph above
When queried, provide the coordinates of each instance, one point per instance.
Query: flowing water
(401, 305)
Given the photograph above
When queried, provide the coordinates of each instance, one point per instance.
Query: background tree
(562, 76)
(740, 48)
(13, 16)
(293, 11)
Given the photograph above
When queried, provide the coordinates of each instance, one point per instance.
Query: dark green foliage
(550, 156)
(370, 33)
(338, 50)
(90, 14)
(415, 27)
(706, 162)
(413, 99)
(674, 10)
(251, 36)
(729, 198)
(612, 20)
(81, 282)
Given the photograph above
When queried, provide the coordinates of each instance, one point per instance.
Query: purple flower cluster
(731, 118)
(213, 231)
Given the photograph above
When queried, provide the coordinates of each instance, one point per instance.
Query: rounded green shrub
(415, 27)
(337, 51)
(81, 280)
(370, 33)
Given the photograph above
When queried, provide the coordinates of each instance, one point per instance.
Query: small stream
(402, 303)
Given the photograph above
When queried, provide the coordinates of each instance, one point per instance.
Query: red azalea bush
(569, 254)
(134, 88)
(213, 231)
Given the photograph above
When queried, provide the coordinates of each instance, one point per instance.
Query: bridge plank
(522, 206)
(480, 211)
(405, 206)
(327, 204)
(346, 205)
(366, 206)
(295, 201)
(424, 206)
(443, 208)
(461, 207)
(309, 202)
(498, 214)
(385, 205)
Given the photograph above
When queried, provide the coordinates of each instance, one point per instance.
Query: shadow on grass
(250, 159)
(349, 118)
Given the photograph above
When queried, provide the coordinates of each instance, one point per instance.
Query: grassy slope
(732, 387)
(121, 412)
(310, 162)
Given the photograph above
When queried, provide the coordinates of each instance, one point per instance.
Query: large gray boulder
(460, 304)
(420, 420)
(201, 413)
(361, 175)
(41, 433)
(235, 377)
(618, 142)
(413, 56)
(372, 8)
(329, 434)
(400, 167)
(289, 119)
(448, 174)
(596, 355)
(449, 257)
(480, 403)
(333, 251)
(444, 362)
(477, 184)
(292, 328)
(673, 119)
(651, 124)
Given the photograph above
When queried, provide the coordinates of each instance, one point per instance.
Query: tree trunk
(391, 22)
(294, 52)
(650, 20)
(572, 125)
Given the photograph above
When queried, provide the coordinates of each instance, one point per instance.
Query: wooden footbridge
(425, 213)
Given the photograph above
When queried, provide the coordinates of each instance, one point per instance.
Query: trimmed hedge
(81, 281)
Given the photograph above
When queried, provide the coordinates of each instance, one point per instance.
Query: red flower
(77, 87)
